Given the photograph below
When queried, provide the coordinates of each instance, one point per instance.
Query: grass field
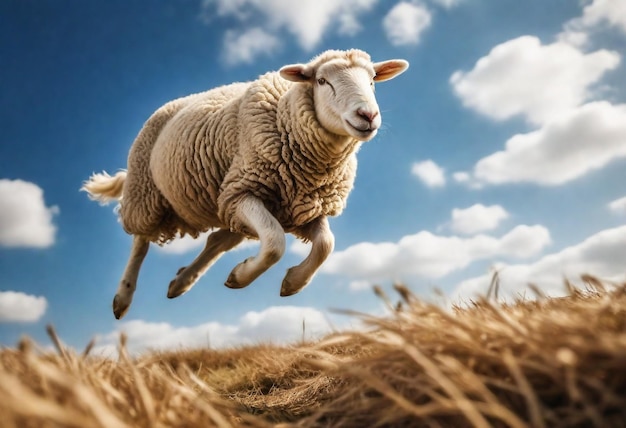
(534, 363)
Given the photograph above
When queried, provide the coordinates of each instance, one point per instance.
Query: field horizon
(545, 362)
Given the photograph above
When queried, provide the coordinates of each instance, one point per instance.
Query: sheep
(248, 160)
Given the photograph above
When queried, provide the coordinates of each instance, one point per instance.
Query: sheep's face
(343, 93)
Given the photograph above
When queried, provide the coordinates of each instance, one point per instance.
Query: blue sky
(502, 147)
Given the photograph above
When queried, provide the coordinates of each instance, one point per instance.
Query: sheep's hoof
(287, 289)
(232, 281)
(175, 289)
(120, 307)
(178, 286)
(293, 283)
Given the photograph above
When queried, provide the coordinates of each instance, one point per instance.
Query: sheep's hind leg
(128, 284)
(252, 213)
(217, 244)
(323, 240)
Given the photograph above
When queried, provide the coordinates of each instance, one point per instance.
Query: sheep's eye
(321, 81)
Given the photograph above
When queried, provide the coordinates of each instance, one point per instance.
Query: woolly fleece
(197, 156)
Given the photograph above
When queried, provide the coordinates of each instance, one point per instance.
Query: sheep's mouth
(363, 132)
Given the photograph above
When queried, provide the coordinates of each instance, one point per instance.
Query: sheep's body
(254, 159)
(223, 143)
(156, 205)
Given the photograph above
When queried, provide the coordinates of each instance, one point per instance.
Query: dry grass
(543, 363)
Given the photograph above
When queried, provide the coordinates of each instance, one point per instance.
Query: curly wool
(287, 159)
(197, 156)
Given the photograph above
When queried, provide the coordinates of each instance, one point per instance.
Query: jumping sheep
(250, 160)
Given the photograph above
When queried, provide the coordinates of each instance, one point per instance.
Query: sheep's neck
(320, 149)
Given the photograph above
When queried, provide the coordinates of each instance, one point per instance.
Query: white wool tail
(104, 188)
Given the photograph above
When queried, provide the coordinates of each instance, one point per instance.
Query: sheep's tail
(104, 188)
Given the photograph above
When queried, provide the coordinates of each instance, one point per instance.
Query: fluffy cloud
(601, 11)
(601, 255)
(577, 31)
(431, 174)
(16, 306)
(300, 248)
(618, 206)
(578, 39)
(448, 4)
(524, 77)
(467, 179)
(427, 255)
(307, 20)
(348, 24)
(188, 244)
(260, 22)
(185, 244)
(405, 23)
(25, 220)
(477, 218)
(613, 12)
(461, 177)
(276, 324)
(595, 132)
(360, 285)
(245, 46)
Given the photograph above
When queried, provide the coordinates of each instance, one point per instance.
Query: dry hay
(541, 363)
(68, 390)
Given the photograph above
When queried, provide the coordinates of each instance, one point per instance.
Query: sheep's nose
(369, 116)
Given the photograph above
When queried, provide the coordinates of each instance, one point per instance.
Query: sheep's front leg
(217, 244)
(252, 213)
(128, 284)
(323, 240)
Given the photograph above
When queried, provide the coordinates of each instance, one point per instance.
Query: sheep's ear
(386, 70)
(296, 73)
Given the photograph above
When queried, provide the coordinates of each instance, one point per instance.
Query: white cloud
(184, 244)
(243, 47)
(25, 220)
(431, 174)
(585, 139)
(448, 4)
(224, 8)
(360, 285)
(16, 306)
(601, 255)
(522, 242)
(461, 177)
(578, 31)
(524, 77)
(612, 12)
(477, 218)
(618, 206)
(465, 178)
(300, 248)
(348, 24)
(276, 324)
(307, 20)
(427, 255)
(187, 244)
(405, 23)
(578, 39)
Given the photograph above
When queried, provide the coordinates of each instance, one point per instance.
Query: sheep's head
(343, 89)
